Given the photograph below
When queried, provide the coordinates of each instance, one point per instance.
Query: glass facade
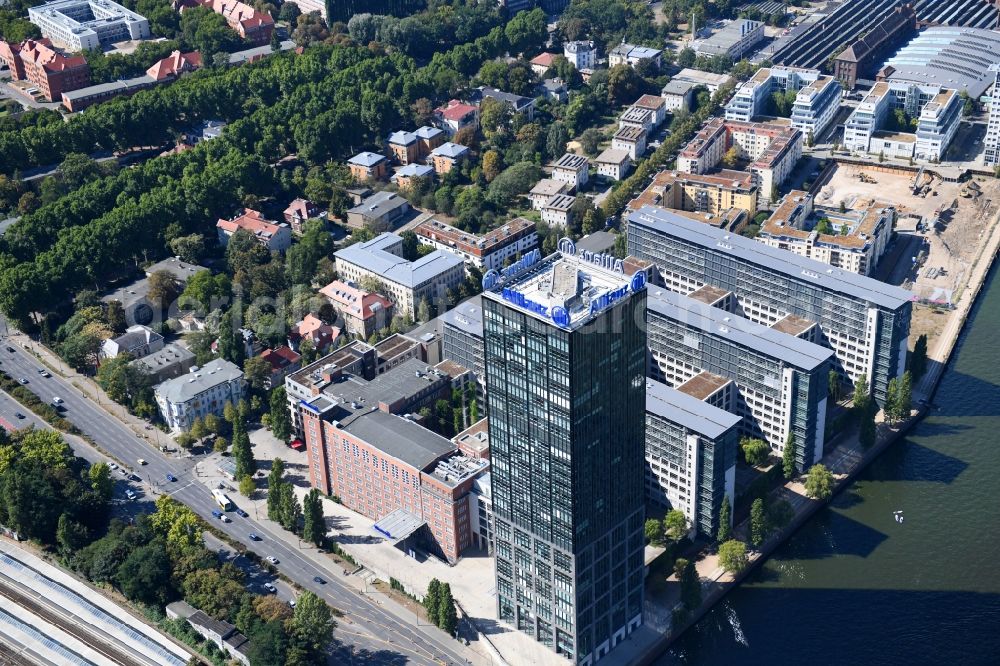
(567, 431)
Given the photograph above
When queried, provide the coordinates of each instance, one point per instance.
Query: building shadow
(853, 538)
(342, 654)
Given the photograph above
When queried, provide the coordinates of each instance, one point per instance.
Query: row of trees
(283, 507)
(440, 606)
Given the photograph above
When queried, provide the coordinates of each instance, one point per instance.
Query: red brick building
(412, 482)
(254, 26)
(47, 69)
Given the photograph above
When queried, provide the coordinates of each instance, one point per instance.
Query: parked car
(112, 466)
(10, 349)
(130, 494)
(270, 588)
(57, 400)
(45, 373)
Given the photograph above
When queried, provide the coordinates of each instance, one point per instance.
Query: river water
(853, 586)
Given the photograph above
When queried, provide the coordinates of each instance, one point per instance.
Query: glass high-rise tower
(565, 348)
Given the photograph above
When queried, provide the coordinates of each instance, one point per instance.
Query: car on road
(226, 519)
(319, 580)
(241, 513)
(291, 602)
(10, 349)
(112, 466)
(272, 559)
(23, 380)
(19, 415)
(141, 461)
(57, 400)
(270, 588)
(254, 536)
(217, 513)
(45, 373)
(171, 478)
(41, 370)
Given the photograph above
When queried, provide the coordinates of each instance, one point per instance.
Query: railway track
(19, 598)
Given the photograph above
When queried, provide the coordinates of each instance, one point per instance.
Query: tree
(423, 311)
(892, 401)
(100, 480)
(432, 600)
(653, 530)
(220, 444)
(526, 29)
(686, 57)
(492, 165)
(116, 317)
(312, 623)
(732, 157)
(197, 429)
(867, 429)
(758, 523)
(447, 613)
(274, 483)
(755, 451)
(556, 139)
(494, 117)
(918, 357)
(242, 451)
(591, 140)
(231, 346)
(189, 248)
(163, 288)
(247, 485)
(725, 521)
(861, 392)
(314, 524)
(256, 371)
(624, 84)
(904, 396)
(780, 513)
(819, 482)
(733, 556)
(833, 385)
(144, 576)
(690, 583)
(71, 536)
(675, 525)
(788, 456)
(289, 509)
(280, 421)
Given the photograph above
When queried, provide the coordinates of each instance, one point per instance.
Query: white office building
(205, 390)
(82, 25)
(815, 105)
(938, 112)
(732, 41)
(992, 139)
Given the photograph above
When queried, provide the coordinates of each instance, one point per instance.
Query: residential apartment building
(855, 240)
(636, 117)
(565, 357)
(632, 55)
(992, 138)
(447, 156)
(456, 115)
(363, 312)
(170, 361)
(572, 169)
(405, 177)
(545, 189)
(487, 252)
(368, 165)
(938, 112)
(321, 336)
(518, 104)
(583, 55)
(406, 283)
(274, 236)
(773, 151)
(411, 481)
(655, 105)
(282, 361)
(864, 321)
(631, 139)
(690, 456)
(558, 211)
(300, 211)
(678, 95)
(409, 147)
(704, 193)
(542, 63)
(733, 41)
(205, 390)
(51, 72)
(381, 211)
(83, 25)
(613, 164)
(780, 381)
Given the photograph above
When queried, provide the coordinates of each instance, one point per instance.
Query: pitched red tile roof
(174, 64)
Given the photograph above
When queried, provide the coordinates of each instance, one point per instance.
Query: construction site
(940, 230)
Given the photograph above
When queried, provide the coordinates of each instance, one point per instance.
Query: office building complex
(462, 338)
(632, 55)
(565, 355)
(412, 482)
(938, 112)
(992, 138)
(690, 455)
(82, 25)
(51, 72)
(775, 382)
(773, 151)
(816, 102)
(736, 39)
(487, 252)
(202, 391)
(864, 321)
(407, 283)
(853, 240)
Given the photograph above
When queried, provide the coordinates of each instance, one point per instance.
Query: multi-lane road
(368, 634)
